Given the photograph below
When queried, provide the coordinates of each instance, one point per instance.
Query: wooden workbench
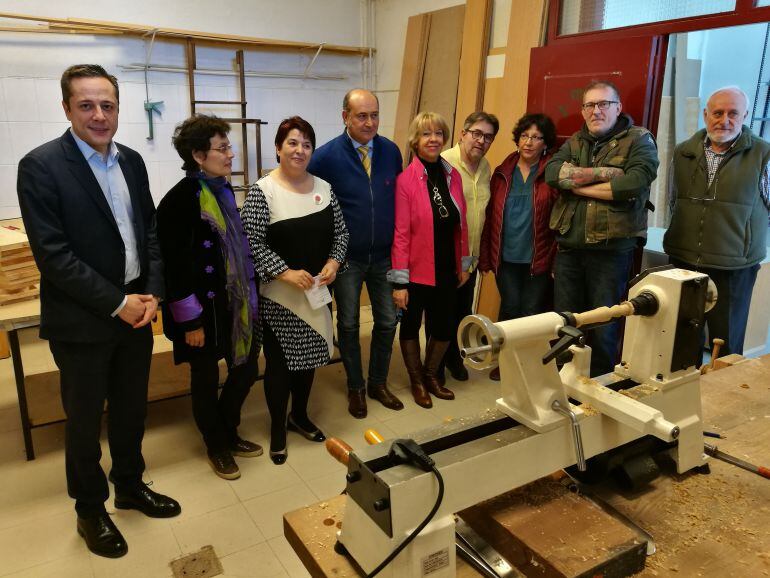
(702, 525)
(37, 387)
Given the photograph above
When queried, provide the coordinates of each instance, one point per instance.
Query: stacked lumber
(19, 276)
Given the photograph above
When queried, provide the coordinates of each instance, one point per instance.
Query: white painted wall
(31, 65)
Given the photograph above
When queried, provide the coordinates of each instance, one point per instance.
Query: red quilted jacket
(544, 238)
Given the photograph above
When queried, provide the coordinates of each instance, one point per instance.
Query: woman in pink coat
(430, 256)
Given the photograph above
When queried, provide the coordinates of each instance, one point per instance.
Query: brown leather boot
(382, 394)
(434, 353)
(410, 349)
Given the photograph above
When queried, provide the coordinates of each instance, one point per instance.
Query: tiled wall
(31, 112)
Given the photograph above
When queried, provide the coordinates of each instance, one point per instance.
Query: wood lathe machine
(548, 419)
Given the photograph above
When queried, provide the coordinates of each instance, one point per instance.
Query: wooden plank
(10, 240)
(415, 48)
(525, 31)
(545, 530)
(180, 34)
(507, 97)
(28, 294)
(488, 302)
(442, 71)
(473, 61)
(166, 380)
(5, 346)
(715, 524)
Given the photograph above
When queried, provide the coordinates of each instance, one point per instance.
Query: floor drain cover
(200, 564)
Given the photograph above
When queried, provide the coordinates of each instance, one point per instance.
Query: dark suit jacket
(76, 241)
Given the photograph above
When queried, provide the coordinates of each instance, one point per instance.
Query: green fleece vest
(605, 220)
(723, 225)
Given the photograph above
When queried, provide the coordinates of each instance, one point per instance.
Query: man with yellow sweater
(468, 157)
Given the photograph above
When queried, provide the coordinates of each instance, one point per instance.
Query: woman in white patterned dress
(297, 233)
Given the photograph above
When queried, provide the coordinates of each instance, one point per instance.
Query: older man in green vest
(604, 172)
(719, 210)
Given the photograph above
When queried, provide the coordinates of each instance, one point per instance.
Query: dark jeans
(216, 414)
(586, 279)
(729, 317)
(435, 303)
(90, 374)
(521, 294)
(347, 293)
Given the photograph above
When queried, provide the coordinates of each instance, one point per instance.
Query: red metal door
(558, 73)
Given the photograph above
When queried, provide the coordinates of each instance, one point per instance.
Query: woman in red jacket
(516, 243)
(430, 256)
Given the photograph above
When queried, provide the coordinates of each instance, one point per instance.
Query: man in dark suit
(90, 219)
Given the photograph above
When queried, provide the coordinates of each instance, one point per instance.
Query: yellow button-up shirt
(476, 192)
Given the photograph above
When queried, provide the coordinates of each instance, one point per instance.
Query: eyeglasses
(480, 135)
(222, 149)
(536, 138)
(602, 105)
(712, 188)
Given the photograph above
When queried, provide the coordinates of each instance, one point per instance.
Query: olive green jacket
(722, 225)
(627, 147)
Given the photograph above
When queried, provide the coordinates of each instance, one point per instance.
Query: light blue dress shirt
(113, 184)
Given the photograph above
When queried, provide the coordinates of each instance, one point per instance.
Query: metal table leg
(18, 373)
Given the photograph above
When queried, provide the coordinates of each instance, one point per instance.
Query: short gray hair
(730, 88)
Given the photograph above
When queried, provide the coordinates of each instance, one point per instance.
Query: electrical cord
(408, 451)
(417, 530)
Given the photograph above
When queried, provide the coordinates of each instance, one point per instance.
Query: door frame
(745, 13)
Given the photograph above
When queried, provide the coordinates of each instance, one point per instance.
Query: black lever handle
(569, 336)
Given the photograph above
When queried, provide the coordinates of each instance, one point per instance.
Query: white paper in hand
(318, 295)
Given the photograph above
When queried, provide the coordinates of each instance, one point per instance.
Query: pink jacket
(412, 252)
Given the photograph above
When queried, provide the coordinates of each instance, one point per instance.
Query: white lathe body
(539, 430)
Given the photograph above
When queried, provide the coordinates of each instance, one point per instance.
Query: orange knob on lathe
(339, 450)
(373, 437)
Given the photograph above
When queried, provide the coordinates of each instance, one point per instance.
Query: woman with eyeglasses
(210, 310)
(430, 257)
(516, 244)
(299, 241)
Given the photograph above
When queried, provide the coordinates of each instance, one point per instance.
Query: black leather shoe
(357, 403)
(494, 375)
(101, 536)
(150, 503)
(314, 436)
(224, 465)
(279, 457)
(245, 449)
(459, 373)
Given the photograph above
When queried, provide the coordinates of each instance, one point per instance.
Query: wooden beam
(473, 61)
(180, 34)
(526, 30)
(442, 64)
(415, 50)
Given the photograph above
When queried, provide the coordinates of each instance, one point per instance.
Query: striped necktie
(365, 160)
